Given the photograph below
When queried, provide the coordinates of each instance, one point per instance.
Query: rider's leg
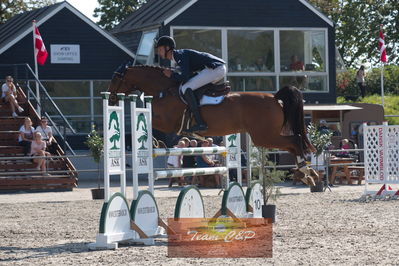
(193, 105)
(202, 78)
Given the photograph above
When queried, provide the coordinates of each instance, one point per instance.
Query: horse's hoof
(314, 174)
(308, 180)
(305, 181)
(311, 181)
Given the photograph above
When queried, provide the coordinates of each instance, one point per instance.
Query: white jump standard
(141, 223)
(381, 159)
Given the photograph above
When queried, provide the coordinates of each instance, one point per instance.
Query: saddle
(213, 90)
(209, 94)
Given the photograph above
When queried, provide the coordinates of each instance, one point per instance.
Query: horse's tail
(293, 113)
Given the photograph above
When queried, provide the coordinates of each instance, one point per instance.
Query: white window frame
(277, 72)
(151, 55)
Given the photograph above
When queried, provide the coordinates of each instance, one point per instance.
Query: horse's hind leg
(287, 143)
(292, 144)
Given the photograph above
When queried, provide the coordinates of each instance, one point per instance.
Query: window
(264, 59)
(203, 40)
(250, 51)
(305, 82)
(145, 50)
(302, 51)
(253, 83)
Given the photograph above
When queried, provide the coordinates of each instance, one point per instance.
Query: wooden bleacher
(12, 171)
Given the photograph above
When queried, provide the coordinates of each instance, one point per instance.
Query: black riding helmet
(166, 41)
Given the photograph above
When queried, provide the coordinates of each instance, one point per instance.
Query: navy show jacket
(191, 61)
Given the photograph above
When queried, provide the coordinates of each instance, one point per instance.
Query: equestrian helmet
(166, 41)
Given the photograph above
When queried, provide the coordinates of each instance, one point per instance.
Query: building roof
(154, 13)
(20, 25)
(317, 12)
(160, 12)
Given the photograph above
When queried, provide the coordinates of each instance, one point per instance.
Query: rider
(210, 69)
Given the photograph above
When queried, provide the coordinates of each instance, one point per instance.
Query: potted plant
(320, 140)
(268, 179)
(96, 145)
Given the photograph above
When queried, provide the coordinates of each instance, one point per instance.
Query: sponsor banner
(220, 238)
(115, 133)
(65, 53)
(143, 142)
(233, 150)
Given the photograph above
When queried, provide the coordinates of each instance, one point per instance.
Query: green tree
(143, 138)
(116, 137)
(357, 28)
(111, 12)
(10, 8)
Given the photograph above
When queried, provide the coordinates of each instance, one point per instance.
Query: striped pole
(190, 151)
(191, 172)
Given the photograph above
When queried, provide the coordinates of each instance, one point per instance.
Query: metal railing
(45, 103)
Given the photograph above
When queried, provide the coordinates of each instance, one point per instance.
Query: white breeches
(205, 76)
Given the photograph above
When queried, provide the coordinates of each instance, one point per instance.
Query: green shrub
(347, 86)
(391, 105)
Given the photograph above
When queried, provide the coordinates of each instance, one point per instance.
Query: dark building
(266, 44)
(81, 61)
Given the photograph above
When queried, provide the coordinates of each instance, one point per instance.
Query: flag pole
(383, 59)
(35, 52)
(382, 83)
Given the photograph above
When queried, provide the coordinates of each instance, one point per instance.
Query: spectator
(344, 146)
(174, 162)
(360, 79)
(296, 64)
(26, 135)
(186, 141)
(214, 157)
(335, 130)
(189, 160)
(47, 135)
(38, 147)
(323, 128)
(205, 160)
(9, 95)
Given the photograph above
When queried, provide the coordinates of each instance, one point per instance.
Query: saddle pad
(207, 100)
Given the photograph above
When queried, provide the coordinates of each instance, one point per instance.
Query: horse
(272, 121)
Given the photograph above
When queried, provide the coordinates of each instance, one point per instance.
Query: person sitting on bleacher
(38, 148)
(26, 135)
(9, 94)
(47, 135)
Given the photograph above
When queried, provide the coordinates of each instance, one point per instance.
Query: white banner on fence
(233, 146)
(115, 133)
(142, 141)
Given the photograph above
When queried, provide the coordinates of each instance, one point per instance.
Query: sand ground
(330, 228)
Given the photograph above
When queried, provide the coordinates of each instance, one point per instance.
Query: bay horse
(272, 121)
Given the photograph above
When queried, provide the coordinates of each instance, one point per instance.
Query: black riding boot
(193, 105)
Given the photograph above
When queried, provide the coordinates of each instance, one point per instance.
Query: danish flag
(381, 47)
(40, 50)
